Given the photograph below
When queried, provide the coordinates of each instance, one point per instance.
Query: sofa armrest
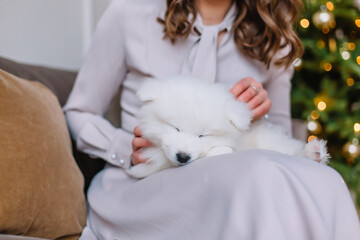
(60, 82)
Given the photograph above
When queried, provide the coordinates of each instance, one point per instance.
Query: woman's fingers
(139, 142)
(261, 109)
(137, 131)
(136, 158)
(254, 95)
(241, 86)
(245, 89)
(257, 100)
(249, 94)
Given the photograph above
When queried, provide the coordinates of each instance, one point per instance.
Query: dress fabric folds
(248, 195)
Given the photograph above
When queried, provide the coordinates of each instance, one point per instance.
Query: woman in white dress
(249, 46)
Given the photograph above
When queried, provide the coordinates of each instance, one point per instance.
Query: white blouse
(128, 47)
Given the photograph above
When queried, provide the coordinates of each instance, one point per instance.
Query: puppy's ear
(150, 90)
(239, 115)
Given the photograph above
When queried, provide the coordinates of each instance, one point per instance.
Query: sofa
(43, 178)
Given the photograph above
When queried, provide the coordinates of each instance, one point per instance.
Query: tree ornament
(324, 19)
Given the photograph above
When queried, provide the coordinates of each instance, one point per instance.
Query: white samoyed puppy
(187, 119)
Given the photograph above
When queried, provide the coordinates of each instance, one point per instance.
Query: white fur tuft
(317, 150)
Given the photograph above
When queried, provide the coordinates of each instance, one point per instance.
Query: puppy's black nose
(182, 157)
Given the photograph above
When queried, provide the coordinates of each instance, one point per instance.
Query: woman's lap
(245, 195)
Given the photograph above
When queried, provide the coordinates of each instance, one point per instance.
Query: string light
(357, 127)
(321, 106)
(345, 55)
(357, 22)
(358, 60)
(297, 62)
(304, 23)
(312, 126)
(328, 66)
(351, 46)
(315, 114)
(332, 44)
(320, 44)
(332, 23)
(330, 6)
(317, 100)
(352, 149)
(311, 138)
(339, 33)
(350, 82)
(325, 29)
(324, 17)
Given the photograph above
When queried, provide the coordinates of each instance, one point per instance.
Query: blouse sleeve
(97, 83)
(279, 87)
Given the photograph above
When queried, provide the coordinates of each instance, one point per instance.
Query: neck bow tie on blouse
(201, 61)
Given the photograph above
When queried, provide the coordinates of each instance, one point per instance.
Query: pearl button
(266, 116)
(113, 156)
(121, 161)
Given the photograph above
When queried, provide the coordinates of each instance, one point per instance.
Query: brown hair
(261, 27)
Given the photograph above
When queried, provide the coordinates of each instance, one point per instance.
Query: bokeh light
(321, 106)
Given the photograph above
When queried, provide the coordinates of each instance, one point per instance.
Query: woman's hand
(137, 143)
(251, 92)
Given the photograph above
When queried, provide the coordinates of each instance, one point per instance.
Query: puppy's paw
(153, 165)
(316, 150)
(141, 170)
(219, 150)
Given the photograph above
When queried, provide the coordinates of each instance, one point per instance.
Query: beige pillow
(41, 187)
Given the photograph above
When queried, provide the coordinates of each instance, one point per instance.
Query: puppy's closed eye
(167, 123)
(205, 135)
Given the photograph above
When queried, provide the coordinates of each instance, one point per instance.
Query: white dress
(246, 195)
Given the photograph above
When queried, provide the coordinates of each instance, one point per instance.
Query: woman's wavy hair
(261, 27)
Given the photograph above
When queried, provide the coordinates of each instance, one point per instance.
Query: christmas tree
(326, 84)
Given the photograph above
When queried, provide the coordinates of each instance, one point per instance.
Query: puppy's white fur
(187, 119)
